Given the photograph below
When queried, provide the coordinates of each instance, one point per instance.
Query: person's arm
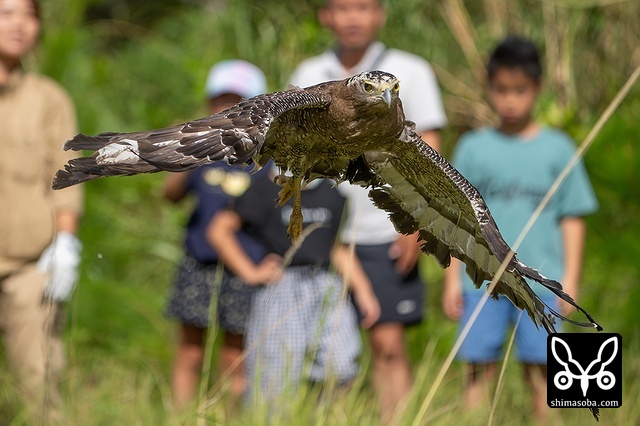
(405, 250)
(175, 186)
(574, 232)
(432, 138)
(67, 221)
(221, 234)
(61, 259)
(349, 268)
(452, 301)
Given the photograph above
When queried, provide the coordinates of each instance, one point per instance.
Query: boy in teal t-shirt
(513, 166)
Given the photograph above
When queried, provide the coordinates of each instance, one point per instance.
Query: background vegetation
(134, 65)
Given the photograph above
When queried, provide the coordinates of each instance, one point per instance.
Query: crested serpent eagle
(354, 130)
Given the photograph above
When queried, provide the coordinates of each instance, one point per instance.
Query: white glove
(60, 262)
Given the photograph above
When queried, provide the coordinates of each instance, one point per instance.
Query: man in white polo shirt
(389, 259)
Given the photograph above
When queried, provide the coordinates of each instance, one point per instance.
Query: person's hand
(368, 306)
(452, 302)
(268, 271)
(405, 250)
(60, 262)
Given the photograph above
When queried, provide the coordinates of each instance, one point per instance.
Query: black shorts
(190, 298)
(401, 298)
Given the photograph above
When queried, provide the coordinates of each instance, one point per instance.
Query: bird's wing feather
(424, 193)
(233, 135)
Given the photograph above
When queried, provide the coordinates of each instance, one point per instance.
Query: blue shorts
(491, 331)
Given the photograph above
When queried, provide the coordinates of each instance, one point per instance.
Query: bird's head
(375, 86)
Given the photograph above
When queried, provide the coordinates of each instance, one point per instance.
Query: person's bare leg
(391, 370)
(187, 365)
(536, 377)
(477, 384)
(231, 362)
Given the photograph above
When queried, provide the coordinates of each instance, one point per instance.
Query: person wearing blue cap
(200, 275)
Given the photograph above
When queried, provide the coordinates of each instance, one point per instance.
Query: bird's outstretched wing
(233, 135)
(424, 193)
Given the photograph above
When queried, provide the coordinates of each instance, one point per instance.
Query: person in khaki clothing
(39, 252)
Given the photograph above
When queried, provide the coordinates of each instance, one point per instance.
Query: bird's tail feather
(556, 288)
(118, 154)
(84, 169)
(90, 143)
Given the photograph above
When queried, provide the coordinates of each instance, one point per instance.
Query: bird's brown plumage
(354, 130)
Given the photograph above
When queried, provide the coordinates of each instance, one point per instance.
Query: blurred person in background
(299, 309)
(39, 250)
(215, 186)
(388, 258)
(513, 166)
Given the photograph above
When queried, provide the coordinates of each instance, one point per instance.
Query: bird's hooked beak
(386, 97)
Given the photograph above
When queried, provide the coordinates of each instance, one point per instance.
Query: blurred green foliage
(133, 65)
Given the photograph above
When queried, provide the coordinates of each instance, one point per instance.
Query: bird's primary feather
(424, 193)
(351, 129)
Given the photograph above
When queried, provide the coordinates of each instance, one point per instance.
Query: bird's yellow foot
(295, 220)
(291, 187)
(295, 224)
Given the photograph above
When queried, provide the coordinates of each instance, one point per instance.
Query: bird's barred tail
(84, 169)
(556, 288)
(89, 143)
(76, 171)
(109, 159)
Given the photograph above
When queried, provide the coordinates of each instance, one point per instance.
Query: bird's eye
(396, 87)
(368, 87)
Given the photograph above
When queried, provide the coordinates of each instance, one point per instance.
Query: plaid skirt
(300, 327)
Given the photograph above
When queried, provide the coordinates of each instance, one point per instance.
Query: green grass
(124, 386)
(120, 353)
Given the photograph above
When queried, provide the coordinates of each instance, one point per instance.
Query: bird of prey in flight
(354, 130)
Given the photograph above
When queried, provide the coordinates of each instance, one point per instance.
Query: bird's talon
(287, 189)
